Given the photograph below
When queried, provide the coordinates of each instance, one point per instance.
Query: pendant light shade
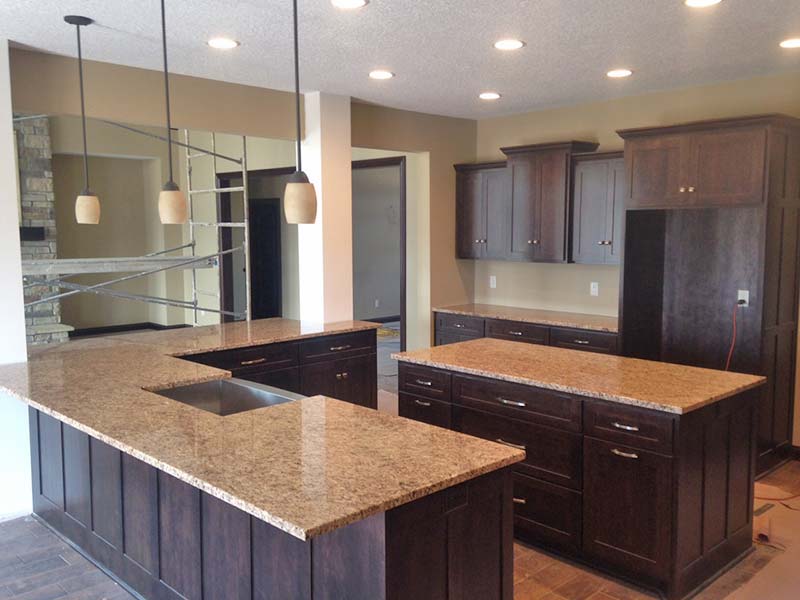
(172, 209)
(299, 197)
(87, 204)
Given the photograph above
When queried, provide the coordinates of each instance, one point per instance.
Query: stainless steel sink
(229, 396)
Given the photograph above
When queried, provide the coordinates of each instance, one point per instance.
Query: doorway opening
(379, 256)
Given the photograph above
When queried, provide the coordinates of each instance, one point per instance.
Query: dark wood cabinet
(547, 513)
(517, 332)
(342, 366)
(737, 180)
(426, 410)
(482, 218)
(627, 508)
(583, 339)
(598, 201)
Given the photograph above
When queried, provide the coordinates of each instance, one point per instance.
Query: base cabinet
(658, 498)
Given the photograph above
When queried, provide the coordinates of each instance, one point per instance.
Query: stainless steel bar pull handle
(458, 326)
(421, 403)
(255, 361)
(425, 383)
(520, 501)
(511, 444)
(511, 402)
(624, 454)
(582, 342)
(340, 348)
(517, 333)
(625, 427)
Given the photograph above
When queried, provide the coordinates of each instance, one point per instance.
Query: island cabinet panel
(77, 478)
(226, 564)
(180, 537)
(281, 564)
(51, 448)
(547, 513)
(140, 514)
(106, 469)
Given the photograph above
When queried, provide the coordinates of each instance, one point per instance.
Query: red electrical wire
(733, 340)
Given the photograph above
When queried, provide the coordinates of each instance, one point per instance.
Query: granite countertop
(534, 315)
(307, 467)
(656, 385)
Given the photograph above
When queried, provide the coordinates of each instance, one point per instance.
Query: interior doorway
(379, 256)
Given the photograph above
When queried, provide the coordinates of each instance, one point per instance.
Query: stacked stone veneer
(43, 321)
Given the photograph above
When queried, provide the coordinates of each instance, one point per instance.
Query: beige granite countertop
(553, 318)
(661, 386)
(306, 467)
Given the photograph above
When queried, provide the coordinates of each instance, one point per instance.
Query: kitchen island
(641, 468)
(310, 498)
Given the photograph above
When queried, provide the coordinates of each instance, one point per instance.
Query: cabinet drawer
(546, 513)
(246, 360)
(582, 339)
(459, 324)
(423, 381)
(285, 379)
(337, 346)
(546, 407)
(551, 455)
(517, 332)
(638, 427)
(426, 410)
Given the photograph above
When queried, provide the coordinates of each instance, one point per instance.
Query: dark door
(552, 207)
(498, 214)
(470, 215)
(524, 206)
(656, 169)
(627, 514)
(265, 258)
(616, 211)
(590, 212)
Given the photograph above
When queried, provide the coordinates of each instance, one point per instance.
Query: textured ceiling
(441, 50)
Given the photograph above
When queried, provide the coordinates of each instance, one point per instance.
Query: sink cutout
(225, 397)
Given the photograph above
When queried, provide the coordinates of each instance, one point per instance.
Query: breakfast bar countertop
(553, 318)
(660, 386)
(307, 467)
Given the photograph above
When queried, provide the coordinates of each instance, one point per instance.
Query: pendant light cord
(83, 113)
(166, 88)
(296, 88)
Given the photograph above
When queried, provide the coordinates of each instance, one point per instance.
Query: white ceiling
(441, 50)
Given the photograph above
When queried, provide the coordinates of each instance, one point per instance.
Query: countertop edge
(547, 322)
(570, 390)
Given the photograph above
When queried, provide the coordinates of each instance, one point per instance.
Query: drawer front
(629, 425)
(246, 360)
(424, 381)
(582, 339)
(547, 514)
(527, 403)
(285, 379)
(552, 455)
(517, 332)
(462, 325)
(445, 337)
(425, 410)
(337, 346)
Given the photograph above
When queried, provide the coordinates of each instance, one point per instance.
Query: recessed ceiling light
(791, 43)
(489, 96)
(619, 73)
(509, 44)
(701, 3)
(349, 4)
(381, 74)
(223, 43)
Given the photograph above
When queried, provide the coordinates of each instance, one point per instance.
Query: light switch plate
(594, 288)
(377, 303)
(744, 295)
(492, 281)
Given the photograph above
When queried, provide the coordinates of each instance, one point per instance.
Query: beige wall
(446, 141)
(120, 184)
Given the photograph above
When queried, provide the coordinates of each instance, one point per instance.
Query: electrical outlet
(377, 303)
(594, 288)
(744, 298)
(492, 281)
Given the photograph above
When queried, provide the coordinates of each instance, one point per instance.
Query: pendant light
(299, 198)
(172, 208)
(87, 204)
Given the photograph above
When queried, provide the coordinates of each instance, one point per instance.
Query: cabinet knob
(341, 376)
(601, 243)
(691, 188)
(682, 190)
(533, 242)
(477, 241)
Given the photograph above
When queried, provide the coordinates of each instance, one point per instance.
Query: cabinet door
(627, 508)
(727, 167)
(615, 211)
(357, 381)
(590, 225)
(524, 172)
(498, 214)
(470, 215)
(657, 171)
(320, 378)
(552, 207)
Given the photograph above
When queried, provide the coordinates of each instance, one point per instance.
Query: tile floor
(36, 565)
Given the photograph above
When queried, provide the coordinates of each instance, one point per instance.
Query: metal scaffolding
(35, 272)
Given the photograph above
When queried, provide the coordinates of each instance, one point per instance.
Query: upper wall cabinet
(705, 164)
(482, 210)
(540, 176)
(598, 198)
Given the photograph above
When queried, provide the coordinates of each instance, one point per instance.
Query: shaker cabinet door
(524, 171)
(552, 206)
(656, 170)
(470, 215)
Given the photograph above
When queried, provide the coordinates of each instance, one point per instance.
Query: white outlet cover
(492, 281)
(594, 288)
(744, 295)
